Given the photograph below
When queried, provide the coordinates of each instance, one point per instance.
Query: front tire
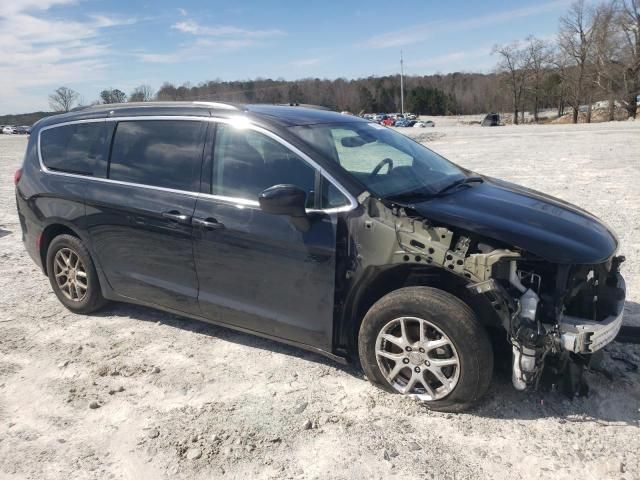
(427, 344)
(73, 276)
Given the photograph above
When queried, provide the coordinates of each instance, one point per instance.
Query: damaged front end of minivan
(556, 313)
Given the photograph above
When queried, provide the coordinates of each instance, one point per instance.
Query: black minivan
(321, 230)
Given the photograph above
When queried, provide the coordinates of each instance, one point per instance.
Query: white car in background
(8, 130)
(423, 124)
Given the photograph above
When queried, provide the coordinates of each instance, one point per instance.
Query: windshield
(386, 162)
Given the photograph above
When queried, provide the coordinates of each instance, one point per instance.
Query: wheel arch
(50, 232)
(378, 282)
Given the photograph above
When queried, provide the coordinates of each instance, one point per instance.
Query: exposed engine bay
(556, 316)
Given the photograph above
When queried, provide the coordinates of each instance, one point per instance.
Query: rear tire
(428, 344)
(73, 276)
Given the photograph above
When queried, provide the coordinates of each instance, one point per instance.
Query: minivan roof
(299, 115)
(284, 115)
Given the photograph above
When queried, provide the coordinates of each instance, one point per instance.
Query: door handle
(176, 216)
(207, 223)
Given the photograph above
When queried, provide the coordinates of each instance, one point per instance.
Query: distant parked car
(491, 120)
(22, 130)
(388, 122)
(426, 123)
(8, 130)
(403, 122)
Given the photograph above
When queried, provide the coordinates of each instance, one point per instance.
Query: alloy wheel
(70, 274)
(417, 358)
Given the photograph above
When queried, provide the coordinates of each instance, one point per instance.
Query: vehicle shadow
(147, 314)
(4, 232)
(613, 397)
(632, 314)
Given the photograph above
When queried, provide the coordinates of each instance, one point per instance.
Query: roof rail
(213, 105)
(218, 105)
(80, 108)
(305, 105)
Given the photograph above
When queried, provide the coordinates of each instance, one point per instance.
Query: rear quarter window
(79, 148)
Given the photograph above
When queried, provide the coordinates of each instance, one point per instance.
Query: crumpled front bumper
(580, 335)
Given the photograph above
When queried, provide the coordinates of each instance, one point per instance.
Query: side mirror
(286, 200)
(283, 200)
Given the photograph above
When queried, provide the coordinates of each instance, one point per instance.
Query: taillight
(17, 176)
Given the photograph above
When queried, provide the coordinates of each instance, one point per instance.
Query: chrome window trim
(239, 201)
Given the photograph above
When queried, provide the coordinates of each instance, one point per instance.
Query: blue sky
(89, 45)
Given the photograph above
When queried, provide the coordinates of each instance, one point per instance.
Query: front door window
(247, 162)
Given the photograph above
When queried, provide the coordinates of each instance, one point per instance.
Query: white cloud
(175, 57)
(44, 51)
(105, 21)
(194, 28)
(11, 8)
(420, 33)
(307, 62)
(201, 49)
(209, 40)
(451, 58)
(221, 44)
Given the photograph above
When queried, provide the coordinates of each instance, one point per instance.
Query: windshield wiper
(421, 193)
(408, 195)
(457, 183)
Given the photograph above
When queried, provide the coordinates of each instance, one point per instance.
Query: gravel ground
(135, 393)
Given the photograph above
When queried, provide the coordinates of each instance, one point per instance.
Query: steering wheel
(386, 161)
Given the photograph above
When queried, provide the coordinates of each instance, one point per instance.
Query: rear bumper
(580, 335)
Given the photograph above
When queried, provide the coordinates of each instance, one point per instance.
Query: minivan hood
(537, 223)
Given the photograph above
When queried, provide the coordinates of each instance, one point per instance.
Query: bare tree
(513, 66)
(555, 85)
(142, 93)
(113, 95)
(606, 53)
(537, 53)
(63, 99)
(575, 39)
(629, 21)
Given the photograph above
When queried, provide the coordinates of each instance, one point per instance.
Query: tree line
(595, 57)
(425, 94)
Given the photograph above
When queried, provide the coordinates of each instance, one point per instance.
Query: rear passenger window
(79, 148)
(160, 153)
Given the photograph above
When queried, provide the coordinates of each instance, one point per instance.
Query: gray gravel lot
(174, 398)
